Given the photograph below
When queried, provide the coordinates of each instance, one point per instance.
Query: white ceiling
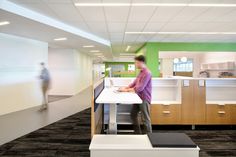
(111, 23)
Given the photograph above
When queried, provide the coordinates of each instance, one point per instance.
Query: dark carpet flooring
(70, 137)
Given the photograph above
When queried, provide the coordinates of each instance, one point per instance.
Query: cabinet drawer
(165, 114)
(218, 114)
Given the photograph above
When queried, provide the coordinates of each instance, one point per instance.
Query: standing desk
(112, 97)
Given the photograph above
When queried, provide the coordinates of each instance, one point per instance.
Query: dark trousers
(144, 108)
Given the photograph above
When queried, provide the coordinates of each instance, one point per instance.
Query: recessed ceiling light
(187, 33)
(88, 46)
(94, 51)
(60, 39)
(4, 23)
(127, 49)
(155, 4)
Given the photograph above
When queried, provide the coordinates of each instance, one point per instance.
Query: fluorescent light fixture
(2, 23)
(60, 39)
(102, 4)
(155, 4)
(94, 51)
(35, 16)
(187, 33)
(88, 46)
(127, 49)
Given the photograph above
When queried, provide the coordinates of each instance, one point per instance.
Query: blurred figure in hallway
(45, 84)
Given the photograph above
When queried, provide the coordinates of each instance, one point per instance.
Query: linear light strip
(193, 33)
(27, 13)
(4, 23)
(127, 49)
(155, 4)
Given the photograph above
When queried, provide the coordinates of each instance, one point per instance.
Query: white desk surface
(108, 95)
(125, 142)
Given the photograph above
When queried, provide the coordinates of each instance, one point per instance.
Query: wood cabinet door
(233, 114)
(218, 114)
(187, 107)
(165, 114)
(199, 102)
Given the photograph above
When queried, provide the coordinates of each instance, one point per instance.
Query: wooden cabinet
(233, 114)
(187, 107)
(165, 114)
(218, 114)
(199, 101)
(193, 108)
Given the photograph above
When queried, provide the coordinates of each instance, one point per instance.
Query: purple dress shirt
(143, 85)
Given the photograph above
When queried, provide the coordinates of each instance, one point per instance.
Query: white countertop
(110, 95)
(125, 142)
(173, 78)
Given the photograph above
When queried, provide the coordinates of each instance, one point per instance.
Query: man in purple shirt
(142, 85)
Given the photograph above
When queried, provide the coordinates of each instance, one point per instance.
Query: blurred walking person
(45, 83)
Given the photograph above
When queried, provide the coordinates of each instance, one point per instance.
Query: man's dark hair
(140, 58)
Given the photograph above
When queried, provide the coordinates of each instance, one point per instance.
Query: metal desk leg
(112, 119)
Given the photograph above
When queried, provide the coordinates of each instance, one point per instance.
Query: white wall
(167, 67)
(217, 57)
(71, 71)
(19, 68)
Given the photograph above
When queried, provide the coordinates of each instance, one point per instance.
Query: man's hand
(126, 89)
(122, 89)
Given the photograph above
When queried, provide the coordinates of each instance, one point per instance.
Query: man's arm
(143, 83)
(129, 88)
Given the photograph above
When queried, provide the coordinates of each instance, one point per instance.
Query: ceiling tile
(213, 14)
(135, 26)
(92, 14)
(164, 14)
(116, 27)
(97, 26)
(130, 37)
(228, 17)
(154, 26)
(188, 13)
(116, 14)
(141, 14)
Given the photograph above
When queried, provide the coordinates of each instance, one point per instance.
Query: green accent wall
(123, 63)
(153, 49)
